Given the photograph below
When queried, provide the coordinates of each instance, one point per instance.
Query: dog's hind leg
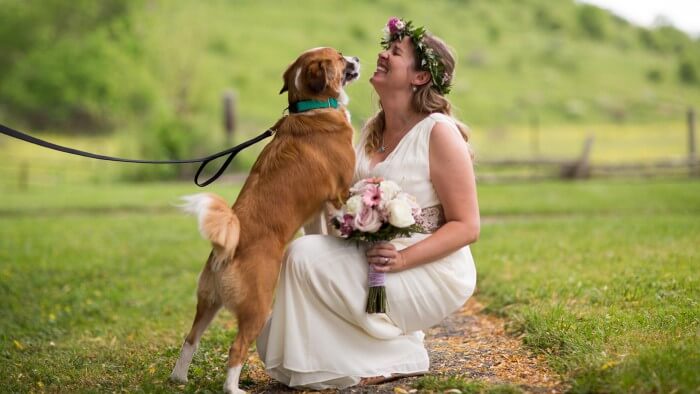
(248, 329)
(208, 304)
(252, 314)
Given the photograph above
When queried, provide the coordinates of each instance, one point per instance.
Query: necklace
(382, 148)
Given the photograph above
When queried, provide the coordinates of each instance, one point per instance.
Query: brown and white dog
(309, 162)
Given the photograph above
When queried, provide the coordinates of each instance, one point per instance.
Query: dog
(309, 163)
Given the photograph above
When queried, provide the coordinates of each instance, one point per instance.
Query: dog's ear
(317, 75)
(285, 78)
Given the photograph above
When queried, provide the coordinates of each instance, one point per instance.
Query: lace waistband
(431, 219)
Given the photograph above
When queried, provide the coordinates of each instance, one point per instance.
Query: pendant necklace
(382, 148)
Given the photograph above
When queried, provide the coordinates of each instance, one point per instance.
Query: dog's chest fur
(310, 161)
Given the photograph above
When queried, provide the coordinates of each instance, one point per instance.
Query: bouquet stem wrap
(376, 299)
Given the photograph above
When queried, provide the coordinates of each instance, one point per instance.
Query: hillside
(162, 66)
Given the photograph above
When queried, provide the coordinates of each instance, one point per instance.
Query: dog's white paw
(177, 378)
(231, 384)
(235, 390)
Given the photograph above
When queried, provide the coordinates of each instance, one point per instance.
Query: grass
(98, 284)
(602, 278)
(464, 385)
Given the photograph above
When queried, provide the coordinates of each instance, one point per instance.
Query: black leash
(204, 160)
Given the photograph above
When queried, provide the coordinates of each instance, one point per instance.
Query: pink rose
(395, 24)
(368, 220)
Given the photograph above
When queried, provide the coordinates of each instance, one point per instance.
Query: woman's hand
(386, 258)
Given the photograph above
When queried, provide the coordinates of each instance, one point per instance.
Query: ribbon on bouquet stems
(376, 298)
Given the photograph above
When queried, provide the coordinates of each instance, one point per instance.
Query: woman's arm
(452, 175)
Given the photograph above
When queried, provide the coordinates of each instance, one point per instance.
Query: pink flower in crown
(395, 25)
(371, 195)
(368, 220)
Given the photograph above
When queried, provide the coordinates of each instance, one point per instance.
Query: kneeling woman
(319, 335)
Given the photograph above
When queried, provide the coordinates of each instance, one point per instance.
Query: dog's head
(318, 74)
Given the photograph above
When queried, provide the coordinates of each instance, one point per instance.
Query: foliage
(593, 21)
(132, 66)
(170, 139)
(118, 64)
(62, 66)
(687, 71)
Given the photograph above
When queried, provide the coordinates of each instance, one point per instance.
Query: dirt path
(469, 343)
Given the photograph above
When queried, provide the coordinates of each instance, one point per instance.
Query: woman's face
(395, 67)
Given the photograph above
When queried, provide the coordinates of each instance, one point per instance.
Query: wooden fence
(581, 167)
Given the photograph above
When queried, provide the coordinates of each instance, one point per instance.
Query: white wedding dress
(319, 335)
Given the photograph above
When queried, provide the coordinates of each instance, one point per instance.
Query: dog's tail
(217, 223)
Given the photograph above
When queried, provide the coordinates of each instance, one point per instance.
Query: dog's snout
(353, 61)
(352, 68)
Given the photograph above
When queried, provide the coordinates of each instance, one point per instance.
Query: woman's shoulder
(442, 121)
(440, 117)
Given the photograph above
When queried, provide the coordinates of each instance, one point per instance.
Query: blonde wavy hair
(426, 100)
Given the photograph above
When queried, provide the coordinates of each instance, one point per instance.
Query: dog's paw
(233, 390)
(177, 378)
(231, 384)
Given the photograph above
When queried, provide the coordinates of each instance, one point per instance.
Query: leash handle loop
(232, 153)
(204, 160)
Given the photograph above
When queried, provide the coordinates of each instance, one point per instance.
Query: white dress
(319, 335)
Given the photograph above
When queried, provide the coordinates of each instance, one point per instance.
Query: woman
(319, 335)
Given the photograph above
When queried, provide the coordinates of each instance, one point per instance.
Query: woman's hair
(426, 100)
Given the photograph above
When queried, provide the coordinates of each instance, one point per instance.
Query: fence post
(580, 168)
(229, 116)
(693, 164)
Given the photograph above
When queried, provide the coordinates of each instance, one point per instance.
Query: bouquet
(377, 211)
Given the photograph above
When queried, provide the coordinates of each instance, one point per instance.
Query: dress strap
(440, 117)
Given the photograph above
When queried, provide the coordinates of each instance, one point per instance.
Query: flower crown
(396, 29)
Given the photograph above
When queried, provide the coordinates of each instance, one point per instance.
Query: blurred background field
(97, 270)
(145, 78)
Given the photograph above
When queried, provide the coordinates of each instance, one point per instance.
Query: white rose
(389, 190)
(358, 186)
(412, 202)
(400, 213)
(354, 205)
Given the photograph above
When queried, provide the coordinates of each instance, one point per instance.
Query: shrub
(654, 75)
(593, 21)
(687, 71)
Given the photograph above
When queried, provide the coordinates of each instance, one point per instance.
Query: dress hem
(286, 376)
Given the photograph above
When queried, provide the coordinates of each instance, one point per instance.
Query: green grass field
(98, 284)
